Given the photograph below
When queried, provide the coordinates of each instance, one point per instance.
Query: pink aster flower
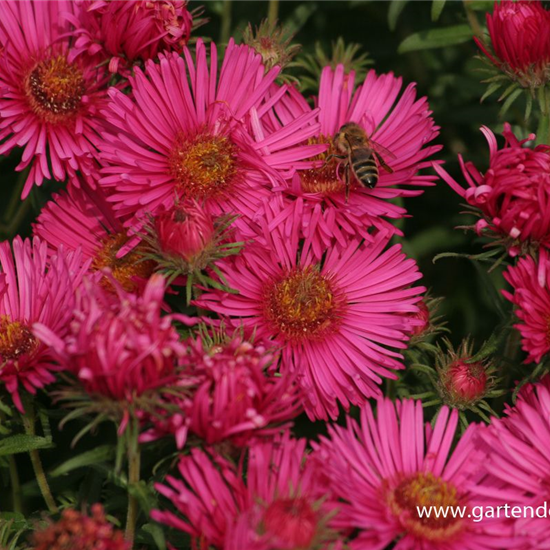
(236, 396)
(520, 37)
(381, 470)
(173, 141)
(512, 198)
(394, 119)
(336, 317)
(33, 290)
(520, 459)
(131, 31)
(82, 217)
(277, 506)
(532, 303)
(49, 101)
(119, 346)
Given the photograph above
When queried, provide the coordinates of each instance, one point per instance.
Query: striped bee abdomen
(364, 167)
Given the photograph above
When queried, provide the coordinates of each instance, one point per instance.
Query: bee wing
(381, 150)
(378, 151)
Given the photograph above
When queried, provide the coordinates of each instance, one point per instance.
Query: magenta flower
(381, 470)
(532, 301)
(278, 505)
(234, 397)
(519, 459)
(520, 35)
(131, 31)
(49, 101)
(336, 317)
(175, 142)
(403, 126)
(81, 217)
(119, 346)
(33, 290)
(513, 196)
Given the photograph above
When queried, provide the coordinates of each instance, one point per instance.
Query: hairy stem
(225, 31)
(472, 19)
(15, 487)
(134, 460)
(272, 11)
(543, 130)
(29, 423)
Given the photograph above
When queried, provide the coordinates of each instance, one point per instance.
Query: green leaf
(88, 458)
(490, 90)
(508, 103)
(396, 7)
(437, 8)
(23, 443)
(436, 38)
(299, 17)
(481, 5)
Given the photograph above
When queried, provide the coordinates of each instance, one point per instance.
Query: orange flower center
(16, 339)
(302, 305)
(426, 490)
(125, 269)
(324, 178)
(204, 166)
(54, 88)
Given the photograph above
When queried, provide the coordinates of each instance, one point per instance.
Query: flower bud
(185, 231)
(520, 38)
(465, 382)
(292, 521)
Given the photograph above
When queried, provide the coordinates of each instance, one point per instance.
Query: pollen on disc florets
(54, 88)
(204, 166)
(425, 489)
(16, 340)
(124, 269)
(303, 304)
(324, 178)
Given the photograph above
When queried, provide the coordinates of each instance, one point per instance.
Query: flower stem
(29, 423)
(226, 22)
(15, 487)
(543, 129)
(272, 11)
(134, 460)
(472, 19)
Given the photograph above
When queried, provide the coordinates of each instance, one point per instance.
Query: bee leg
(347, 181)
(330, 157)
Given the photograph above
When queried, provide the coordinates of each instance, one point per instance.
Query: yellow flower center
(302, 305)
(205, 166)
(323, 179)
(16, 339)
(426, 490)
(54, 88)
(125, 269)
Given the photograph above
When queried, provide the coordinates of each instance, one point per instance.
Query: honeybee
(362, 155)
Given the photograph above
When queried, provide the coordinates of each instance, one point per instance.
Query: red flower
(75, 530)
(532, 304)
(513, 196)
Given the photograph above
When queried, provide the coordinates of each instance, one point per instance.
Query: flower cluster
(512, 201)
(221, 272)
(76, 530)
